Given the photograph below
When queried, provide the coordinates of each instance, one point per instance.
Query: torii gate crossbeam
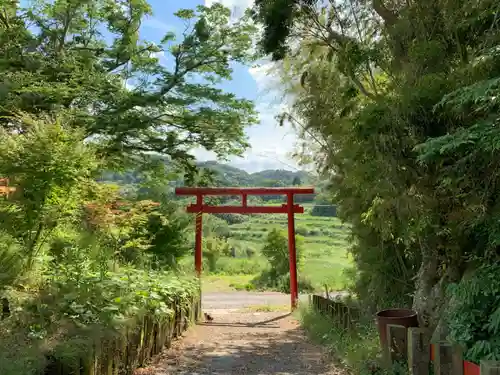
(289, 208)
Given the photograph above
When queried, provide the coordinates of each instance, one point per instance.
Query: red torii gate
(289, 208)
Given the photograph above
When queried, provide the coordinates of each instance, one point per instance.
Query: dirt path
(239, 300)
(244, 342)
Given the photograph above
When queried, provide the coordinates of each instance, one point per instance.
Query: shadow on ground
(267, 343)
(263, 324)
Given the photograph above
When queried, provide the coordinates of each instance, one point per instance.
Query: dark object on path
(208, 317)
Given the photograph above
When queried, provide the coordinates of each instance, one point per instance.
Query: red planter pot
(402, 317)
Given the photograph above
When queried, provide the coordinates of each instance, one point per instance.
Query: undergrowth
(357, 350)
(80, 261)
(73, 313)
(473, 315)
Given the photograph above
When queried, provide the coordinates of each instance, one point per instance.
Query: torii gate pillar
(292, 257)
(289, 208)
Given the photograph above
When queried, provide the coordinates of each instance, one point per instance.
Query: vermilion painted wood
(289, 208)
(294, 290)
(243, 210)
(198, 236)
(242, 191)
(469, 367)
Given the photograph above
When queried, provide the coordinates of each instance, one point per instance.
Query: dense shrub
(215, 226)
(75, 310)
(11, 260)
(357, 349)
(240, 266)
(232, 218)
(276, 252)
(213, 248)
(77, 257)
(51, 170)
(473, 317)
(270, 280)
(407, 135)
(303, 231)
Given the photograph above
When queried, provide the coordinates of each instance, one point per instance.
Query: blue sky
(270, 144)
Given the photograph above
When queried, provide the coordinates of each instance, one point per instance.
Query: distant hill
(227, 175)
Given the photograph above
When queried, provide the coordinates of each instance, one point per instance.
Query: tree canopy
(86, 60)
(82, 261)
(399, 103)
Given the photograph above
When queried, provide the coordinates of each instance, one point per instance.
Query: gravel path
(243, 342)
(240, 300)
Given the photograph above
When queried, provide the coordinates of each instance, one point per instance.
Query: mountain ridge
(228, 175)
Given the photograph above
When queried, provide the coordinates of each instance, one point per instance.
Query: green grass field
(324, 252)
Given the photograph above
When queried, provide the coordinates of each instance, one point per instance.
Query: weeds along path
(243, 340)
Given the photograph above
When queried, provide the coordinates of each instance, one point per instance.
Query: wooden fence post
(349, 317)
(457, 359)
(397, 344)
(448, 359)
(490, 368)
(418, 352)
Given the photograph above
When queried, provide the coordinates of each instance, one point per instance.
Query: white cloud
(269, 138)
(262, 73)
(231, 3)
(158, 55)
(252, 161)
(271, 145)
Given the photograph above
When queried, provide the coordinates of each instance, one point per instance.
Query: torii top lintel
(243, 190)
(200, 192)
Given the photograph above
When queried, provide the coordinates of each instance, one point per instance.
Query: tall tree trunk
(429, 300)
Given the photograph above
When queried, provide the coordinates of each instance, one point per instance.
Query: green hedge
(94, 325)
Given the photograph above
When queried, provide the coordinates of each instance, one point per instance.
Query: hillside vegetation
(226, 175)
(322, 241)
(222, 174)
(397, 103)
(241, 238)
(85, 264)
